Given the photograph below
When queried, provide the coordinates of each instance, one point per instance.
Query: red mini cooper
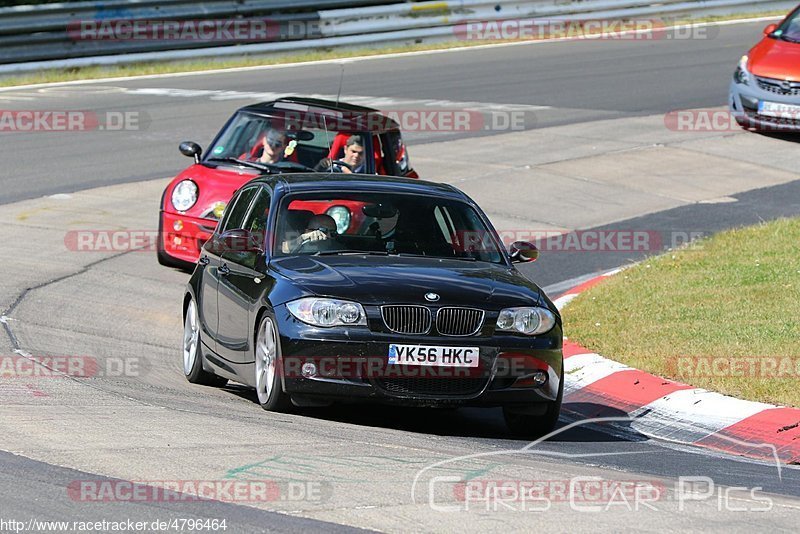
(288, 135)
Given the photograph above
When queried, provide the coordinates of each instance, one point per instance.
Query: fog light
(177, 225)
(533, 380)
(177, 241)
(539, 378)
(309, 370)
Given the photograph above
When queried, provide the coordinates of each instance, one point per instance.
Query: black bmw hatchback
(341, 288)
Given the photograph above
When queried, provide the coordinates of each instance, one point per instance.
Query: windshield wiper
(291, 165)
(252, 164)
(350, 253)
(430, 256)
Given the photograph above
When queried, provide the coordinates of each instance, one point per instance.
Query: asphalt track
(576, 83)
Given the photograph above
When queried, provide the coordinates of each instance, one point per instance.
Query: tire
(535, 426)
(192, 355)
(269, 390)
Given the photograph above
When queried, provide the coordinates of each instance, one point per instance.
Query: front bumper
(743, 101)
(352, 365)
(184, 244)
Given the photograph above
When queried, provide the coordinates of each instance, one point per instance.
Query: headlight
(341, 215)
(742, 75)
(184, 195)
(328, 312)
(528, 321)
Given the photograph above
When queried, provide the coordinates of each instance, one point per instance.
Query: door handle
(224, 270)
(203, 260)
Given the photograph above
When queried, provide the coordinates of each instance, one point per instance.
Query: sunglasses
(275, 142)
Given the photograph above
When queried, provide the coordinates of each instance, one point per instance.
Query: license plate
(781, 111)
(434, 355)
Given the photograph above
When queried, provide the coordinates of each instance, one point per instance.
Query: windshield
(789, 30)
(383, 224)
(276, 139)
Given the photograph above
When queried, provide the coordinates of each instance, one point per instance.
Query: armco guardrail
(52, 31)
(44, 36)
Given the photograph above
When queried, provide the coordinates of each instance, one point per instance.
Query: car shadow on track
(782, 136)
(467, 422)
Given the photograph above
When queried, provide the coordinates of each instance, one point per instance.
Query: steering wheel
(341, 163)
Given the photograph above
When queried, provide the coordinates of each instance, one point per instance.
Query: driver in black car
(319, 231)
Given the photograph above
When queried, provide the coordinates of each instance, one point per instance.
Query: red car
(287, 135)
(765, 90)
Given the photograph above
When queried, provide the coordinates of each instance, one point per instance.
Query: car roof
(312, 182)
(319, 107)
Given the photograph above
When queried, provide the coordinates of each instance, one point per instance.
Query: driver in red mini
(274, 145)
(353, 156)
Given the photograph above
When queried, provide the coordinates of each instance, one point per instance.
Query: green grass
(138, 69)
(733, 296)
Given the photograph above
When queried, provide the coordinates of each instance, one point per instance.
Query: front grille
(776, 86)
(407, 319)
(433, 386)
(778, 122)
(459, 321)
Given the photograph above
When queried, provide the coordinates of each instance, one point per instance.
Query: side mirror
(191, 150)
(523, 251)
(300, 135)
(769, 29)
(241, 240)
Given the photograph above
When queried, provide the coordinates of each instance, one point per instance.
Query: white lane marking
(368, 58)
(563, 300)
(373, 101)
(582, 370)
(692, 414)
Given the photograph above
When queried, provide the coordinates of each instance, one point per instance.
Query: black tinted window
(236, 212)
